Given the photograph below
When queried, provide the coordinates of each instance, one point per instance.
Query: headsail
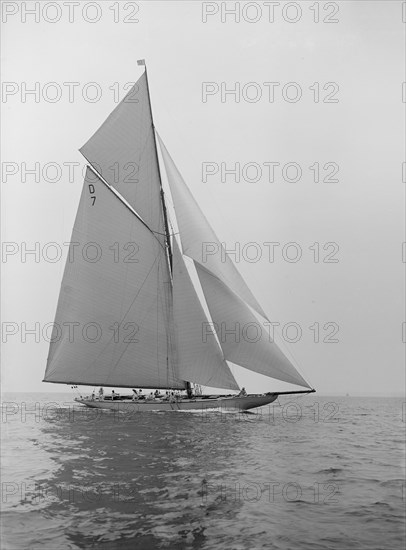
(195, 231)
(112, 319)
(199, 360)
(243, 339)
(123, 152)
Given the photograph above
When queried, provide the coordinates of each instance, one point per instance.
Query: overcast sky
(352, 117)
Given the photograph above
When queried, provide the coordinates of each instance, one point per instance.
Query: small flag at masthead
(141, 62)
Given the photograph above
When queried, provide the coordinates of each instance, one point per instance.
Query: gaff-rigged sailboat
(149, 310)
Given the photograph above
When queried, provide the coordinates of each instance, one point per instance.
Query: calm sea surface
(309, 473)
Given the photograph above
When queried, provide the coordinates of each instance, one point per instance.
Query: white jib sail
(199, 359)
(243, 339)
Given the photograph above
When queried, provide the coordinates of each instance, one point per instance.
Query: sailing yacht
(147, 304)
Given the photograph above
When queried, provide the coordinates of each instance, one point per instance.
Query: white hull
(229, 403)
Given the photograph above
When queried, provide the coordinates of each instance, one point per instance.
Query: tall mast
(167, 233)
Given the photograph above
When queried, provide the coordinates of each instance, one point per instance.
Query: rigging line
(165, 213)
(165, 302)
(149, 165)
(143, 148)
(157, 322)
(162, 303)
(123, 201)
(283, 347)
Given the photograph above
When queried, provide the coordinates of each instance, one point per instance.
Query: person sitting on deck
(242, 393)
(93, 395)
(113, 395)
(101, 394)
(135, 395)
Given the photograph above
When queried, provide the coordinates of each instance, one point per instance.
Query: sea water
(302, 473)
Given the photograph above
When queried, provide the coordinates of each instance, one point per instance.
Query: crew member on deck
(242, 393)
(101, 394)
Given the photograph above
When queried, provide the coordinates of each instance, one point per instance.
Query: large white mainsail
(198, 359)
(112, 324)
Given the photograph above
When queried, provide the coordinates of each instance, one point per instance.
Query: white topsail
(128, 313)
(195, 232)
(123, 152)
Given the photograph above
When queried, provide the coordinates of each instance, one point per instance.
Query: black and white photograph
(203, 251)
